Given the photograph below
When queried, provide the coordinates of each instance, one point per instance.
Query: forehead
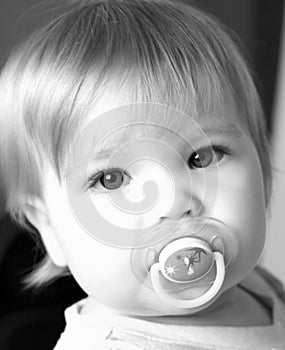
(118, 127)
(118, 115)
(119, 107)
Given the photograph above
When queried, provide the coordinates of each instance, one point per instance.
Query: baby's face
(122, 182)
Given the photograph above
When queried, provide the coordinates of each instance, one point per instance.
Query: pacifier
(194, 253)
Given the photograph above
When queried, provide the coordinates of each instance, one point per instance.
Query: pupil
(112, 180)
(202, 159)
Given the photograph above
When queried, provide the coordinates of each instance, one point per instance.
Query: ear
(37, 214)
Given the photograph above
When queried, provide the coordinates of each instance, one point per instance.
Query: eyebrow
(230, 130)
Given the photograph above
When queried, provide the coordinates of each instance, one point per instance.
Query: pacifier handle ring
(193, 303)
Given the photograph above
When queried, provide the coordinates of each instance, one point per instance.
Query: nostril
(187, 213)
(162, 218)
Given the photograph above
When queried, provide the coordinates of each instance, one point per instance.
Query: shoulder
(266, 288)
(275, 284)
(81, 331)
(263, 282)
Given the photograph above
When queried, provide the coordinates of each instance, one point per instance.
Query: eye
(207, 156)
(110, 179)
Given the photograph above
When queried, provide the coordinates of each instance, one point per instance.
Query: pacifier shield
(185, 251)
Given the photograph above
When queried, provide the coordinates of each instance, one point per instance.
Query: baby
(133, 140)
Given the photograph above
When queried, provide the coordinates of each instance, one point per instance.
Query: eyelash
(94, 179)
(221, 147)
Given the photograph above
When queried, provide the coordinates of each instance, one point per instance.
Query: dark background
(258, 24)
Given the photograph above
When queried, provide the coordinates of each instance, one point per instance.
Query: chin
(152, 305)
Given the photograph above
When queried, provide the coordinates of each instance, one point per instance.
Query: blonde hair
(167, 51)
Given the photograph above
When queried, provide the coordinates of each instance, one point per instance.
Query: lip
(187, 293)
(180, 290)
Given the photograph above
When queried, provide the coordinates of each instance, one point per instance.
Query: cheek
(102, 271)
(241, 205)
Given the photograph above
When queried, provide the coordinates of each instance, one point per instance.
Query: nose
(186, 206)
(192, 194)
(189, 193)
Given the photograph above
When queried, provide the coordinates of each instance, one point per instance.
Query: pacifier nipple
(185, 262)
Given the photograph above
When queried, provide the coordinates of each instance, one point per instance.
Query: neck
(210, 316)
(234, 308)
